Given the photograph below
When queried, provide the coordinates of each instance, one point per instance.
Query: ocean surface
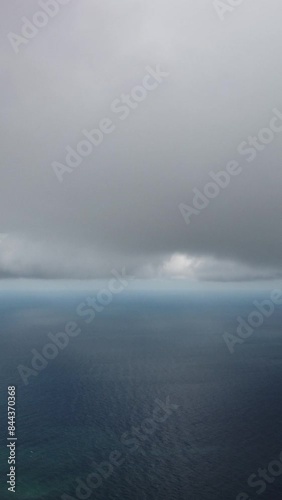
(102, 397)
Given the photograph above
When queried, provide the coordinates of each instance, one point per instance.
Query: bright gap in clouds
(180, 266)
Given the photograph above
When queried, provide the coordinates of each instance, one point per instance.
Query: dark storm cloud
(119, 207)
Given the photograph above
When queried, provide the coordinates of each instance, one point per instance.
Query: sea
(146, 401)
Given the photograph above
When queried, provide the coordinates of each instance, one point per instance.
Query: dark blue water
(226, 414)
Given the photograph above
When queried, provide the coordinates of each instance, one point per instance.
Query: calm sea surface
(144, 350)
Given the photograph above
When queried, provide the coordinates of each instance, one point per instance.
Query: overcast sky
(120, 206)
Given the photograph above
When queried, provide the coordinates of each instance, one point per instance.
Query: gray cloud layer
(119, 207)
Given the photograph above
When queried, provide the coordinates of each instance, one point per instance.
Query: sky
(204, 89)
